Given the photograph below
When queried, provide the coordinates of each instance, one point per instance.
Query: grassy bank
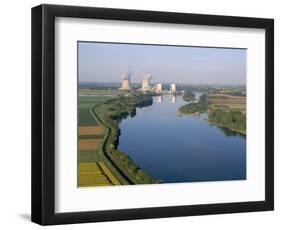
(109, 114)
(192, 108)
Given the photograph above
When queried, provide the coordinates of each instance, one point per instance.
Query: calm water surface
(181, 149)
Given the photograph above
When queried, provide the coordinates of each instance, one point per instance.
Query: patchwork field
(227, 102)
(92, 167)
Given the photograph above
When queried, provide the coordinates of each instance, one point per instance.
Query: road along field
(94, 169)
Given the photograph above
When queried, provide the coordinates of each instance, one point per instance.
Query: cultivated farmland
(94, 168)
(89, 144)
(91, 130)
(227, 102)
(95, 174)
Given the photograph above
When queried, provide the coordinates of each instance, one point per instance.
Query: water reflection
(159, 99)
(230, 133)
(173, 99)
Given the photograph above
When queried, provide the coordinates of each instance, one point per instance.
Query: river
(175, 148)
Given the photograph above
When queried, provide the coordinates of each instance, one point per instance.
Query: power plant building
(145, 86)
(158, 88)
(126, 85)
(146, 83)
(173, 88)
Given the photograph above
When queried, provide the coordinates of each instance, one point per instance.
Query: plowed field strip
(91, 130)
(91, 144)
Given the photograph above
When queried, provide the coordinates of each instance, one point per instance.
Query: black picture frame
(43, 114)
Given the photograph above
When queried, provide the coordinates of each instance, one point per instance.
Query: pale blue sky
(106, 62)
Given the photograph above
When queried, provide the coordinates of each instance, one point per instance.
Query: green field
(85, 118)
(100, 92)
(85, 104)
(93, 99)
(89, 156)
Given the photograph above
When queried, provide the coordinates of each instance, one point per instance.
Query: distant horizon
(154, 82)
(107, 62)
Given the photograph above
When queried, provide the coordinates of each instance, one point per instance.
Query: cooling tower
(146, 83)
(158, 88)
(126, 82)
(173, 88)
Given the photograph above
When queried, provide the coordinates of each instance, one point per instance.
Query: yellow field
(111, 177)
(95, 174)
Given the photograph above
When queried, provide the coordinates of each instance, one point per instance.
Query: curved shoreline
(179, 113)
(113, 160)
(234, 130)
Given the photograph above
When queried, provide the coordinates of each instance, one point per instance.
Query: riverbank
(223, 117)
(181, 114)
(197, 113)
(108, 115)
(223, 126)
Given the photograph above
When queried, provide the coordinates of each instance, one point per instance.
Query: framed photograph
(142, 114)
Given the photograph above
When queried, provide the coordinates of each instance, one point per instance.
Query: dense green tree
(188, 96)
(234, 120)
(203, 99)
